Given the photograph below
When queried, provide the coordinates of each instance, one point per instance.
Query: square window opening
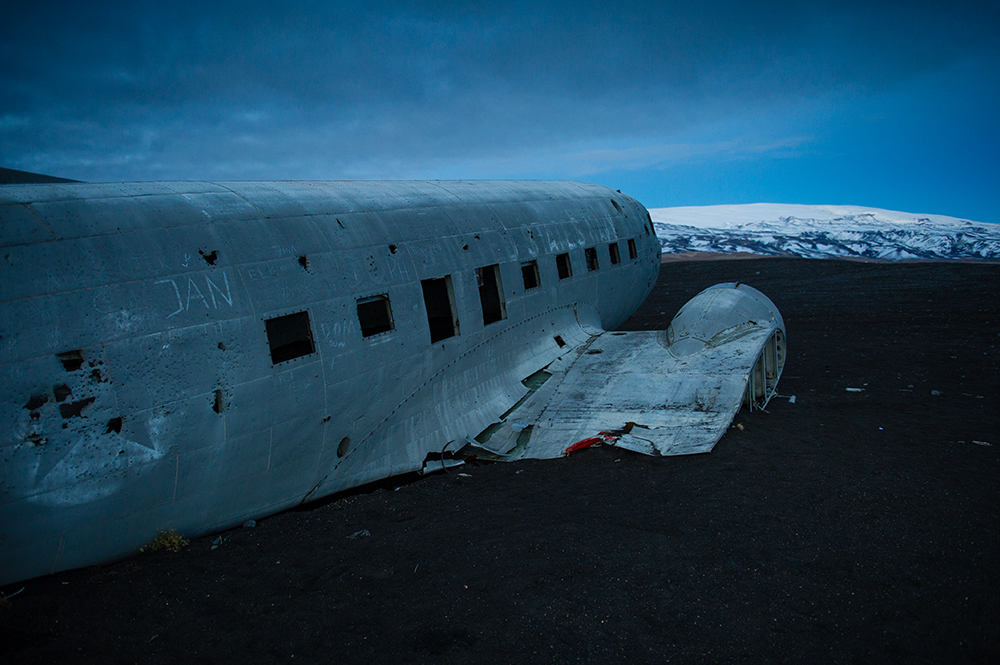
(491, 294)
(375, 315)
(439, 300)
(529, 273)
(289, 337)
(616, 257)
(591, 254)
(631, 249)
(564, 266)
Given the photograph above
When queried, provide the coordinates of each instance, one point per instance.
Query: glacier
(823, 231)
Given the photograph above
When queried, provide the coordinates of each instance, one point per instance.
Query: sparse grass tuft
(166, 540)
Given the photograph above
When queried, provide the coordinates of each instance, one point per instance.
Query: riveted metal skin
(141, 390)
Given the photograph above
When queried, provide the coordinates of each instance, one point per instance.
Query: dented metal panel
(640, 391)
(190, 355)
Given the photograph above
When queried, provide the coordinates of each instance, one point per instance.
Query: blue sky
(892, 104)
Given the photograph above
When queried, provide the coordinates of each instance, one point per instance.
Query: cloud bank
(624, 92)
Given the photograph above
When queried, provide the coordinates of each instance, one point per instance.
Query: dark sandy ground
(843, 527)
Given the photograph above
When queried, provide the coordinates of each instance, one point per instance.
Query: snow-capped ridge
(823, 232)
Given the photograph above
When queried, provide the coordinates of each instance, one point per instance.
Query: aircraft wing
(670, 392)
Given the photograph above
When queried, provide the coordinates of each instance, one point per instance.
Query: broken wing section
(670, 392)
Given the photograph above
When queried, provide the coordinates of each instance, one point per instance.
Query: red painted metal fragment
(584, 443)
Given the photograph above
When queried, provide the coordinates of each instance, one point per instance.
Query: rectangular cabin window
(439, 300)
(591, 254)
(529, 273)
(616, 258)
(491, 294)
(564, 267)
(289, 337)
(375, 315)
(631, 249)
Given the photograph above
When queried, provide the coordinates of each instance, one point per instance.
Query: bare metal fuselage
(191, 355)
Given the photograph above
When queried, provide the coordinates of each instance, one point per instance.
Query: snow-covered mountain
(823, 232)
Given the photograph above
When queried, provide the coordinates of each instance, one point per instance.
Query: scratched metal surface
(679, 395)
(172, 414)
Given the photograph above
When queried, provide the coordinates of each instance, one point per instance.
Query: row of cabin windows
(290, 336)
(565, 267)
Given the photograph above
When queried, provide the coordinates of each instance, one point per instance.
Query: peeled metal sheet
(670, 392)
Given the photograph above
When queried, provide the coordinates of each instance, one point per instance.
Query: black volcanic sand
(843, 527)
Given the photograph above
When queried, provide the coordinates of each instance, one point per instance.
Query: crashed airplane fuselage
(191, 355)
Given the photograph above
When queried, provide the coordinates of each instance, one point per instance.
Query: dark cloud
(345, 89)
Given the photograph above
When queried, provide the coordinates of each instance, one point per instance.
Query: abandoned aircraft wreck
(192, 355)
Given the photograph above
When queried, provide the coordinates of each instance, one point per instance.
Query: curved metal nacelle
(191, 355)
(724, 313)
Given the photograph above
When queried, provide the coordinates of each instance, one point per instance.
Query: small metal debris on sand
(364, 533)
(250, 524)
(855, 390)
(982, 443)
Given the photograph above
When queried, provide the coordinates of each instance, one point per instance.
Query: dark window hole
(491, 294)
(71, 360)
(392, 249)
(345, 445)
(61, 392)
(114, 425)
(616, 257)
(529, 273)
(375, 315)
(304, 262)
(564, 266)
(209, 257)
(615, 204)
(559, 340)
(631, 249)
(219, 403)
(289, 337)
(439, 300)
(591, 254)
